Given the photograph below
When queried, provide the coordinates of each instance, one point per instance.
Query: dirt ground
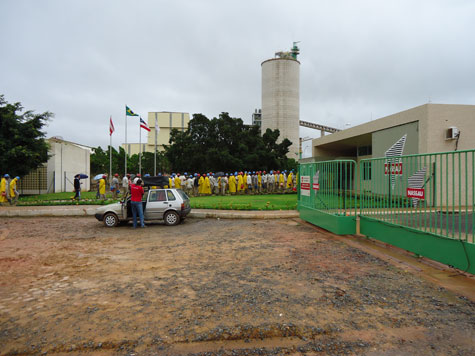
(70, 286)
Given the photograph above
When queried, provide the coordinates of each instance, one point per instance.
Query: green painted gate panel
(340, 225)
(326, 195)
(456, 253)
(423, 203)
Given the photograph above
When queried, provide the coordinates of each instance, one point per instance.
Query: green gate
(422, 203)
(327, 195)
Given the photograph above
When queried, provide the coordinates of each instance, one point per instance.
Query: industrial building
(280, 97)
(165, 121)
(57, 175)
(428, 128)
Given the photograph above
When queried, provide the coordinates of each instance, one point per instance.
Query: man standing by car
(115, 186)
(136, 191)
(125, 184)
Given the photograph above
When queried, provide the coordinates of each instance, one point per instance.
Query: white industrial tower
(280, 97)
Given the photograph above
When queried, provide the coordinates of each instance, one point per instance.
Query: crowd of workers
(8, 190)
(247, 182)
(196, 184)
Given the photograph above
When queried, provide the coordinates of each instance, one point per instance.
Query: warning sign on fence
(396, 168)
(415, 193)
(305, 185)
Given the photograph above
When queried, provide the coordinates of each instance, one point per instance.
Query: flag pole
(110, 154)
(155, 151)
(125, 148)
(140, 144)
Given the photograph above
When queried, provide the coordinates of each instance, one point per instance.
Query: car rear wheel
(111, 220)
(171, 218)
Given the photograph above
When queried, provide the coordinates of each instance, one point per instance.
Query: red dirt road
(214, 287)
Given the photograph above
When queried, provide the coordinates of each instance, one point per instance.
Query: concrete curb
(85, 210)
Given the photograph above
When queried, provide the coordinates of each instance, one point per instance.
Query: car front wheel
(171, 218)
(111, 220)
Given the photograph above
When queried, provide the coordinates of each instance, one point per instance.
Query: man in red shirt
(137, 192)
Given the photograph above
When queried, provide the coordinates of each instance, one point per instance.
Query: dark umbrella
(83, 176)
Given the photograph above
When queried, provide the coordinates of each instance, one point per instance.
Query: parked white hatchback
(169, 205)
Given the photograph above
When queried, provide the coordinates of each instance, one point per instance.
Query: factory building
(280, 97)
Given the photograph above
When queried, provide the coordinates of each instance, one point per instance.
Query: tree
(23, 147)
(225, 144)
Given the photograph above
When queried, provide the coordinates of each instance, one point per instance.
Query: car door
(156, 204)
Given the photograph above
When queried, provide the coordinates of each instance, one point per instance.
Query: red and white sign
(415, 193)
(305, 185)
(316, 186)
(396, 168)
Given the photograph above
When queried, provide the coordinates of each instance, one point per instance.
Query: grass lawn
(246, 202)
(66, 198)
(230, 202)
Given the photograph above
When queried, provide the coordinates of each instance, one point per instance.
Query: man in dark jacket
(77, 187)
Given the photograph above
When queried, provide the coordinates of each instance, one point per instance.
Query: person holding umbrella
(77, 187)
(102, 188)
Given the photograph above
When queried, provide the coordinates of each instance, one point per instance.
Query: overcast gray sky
(85, 60)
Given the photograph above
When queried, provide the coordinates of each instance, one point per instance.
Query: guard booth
(327, 195)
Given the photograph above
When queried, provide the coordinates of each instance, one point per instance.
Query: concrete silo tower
(280, 97)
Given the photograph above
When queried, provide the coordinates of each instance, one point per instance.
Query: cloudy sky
(360, 60)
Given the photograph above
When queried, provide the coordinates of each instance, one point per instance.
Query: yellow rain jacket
(201, 183)
(289, 180)
(3, 191)
(281, 179)
(240, 185)
(259, 180)
(177, 182)
(244, 179)
(13, 187)
(207, 186)
(102, 186)
(232, 184)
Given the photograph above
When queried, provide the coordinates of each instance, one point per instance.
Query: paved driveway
(214, 287)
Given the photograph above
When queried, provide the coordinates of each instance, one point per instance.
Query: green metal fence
(327, 195)
(423, 203)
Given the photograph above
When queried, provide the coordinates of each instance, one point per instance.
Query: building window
(365, 150)
(366, 170)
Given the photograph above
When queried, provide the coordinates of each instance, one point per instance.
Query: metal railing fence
(432, 193)
(329, 186)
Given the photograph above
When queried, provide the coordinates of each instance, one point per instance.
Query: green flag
(129, 112)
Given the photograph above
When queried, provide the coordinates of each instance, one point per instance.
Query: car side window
(170, 194)
(158, 195)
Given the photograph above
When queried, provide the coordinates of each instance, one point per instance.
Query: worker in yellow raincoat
(13, 192)
(207, 185)
(240, 183)
(177, 181)
(102, 188)
(201, 184)
(232, 184)
(281, 182)
(244, 180)
(290, 182)
(259, 182)
(3, 189)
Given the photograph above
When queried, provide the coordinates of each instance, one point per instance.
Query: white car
(169, 205)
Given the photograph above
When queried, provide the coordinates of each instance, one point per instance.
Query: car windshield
(182, 194)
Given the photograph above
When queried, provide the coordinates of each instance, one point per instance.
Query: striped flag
(144, 125)
(111, 127)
